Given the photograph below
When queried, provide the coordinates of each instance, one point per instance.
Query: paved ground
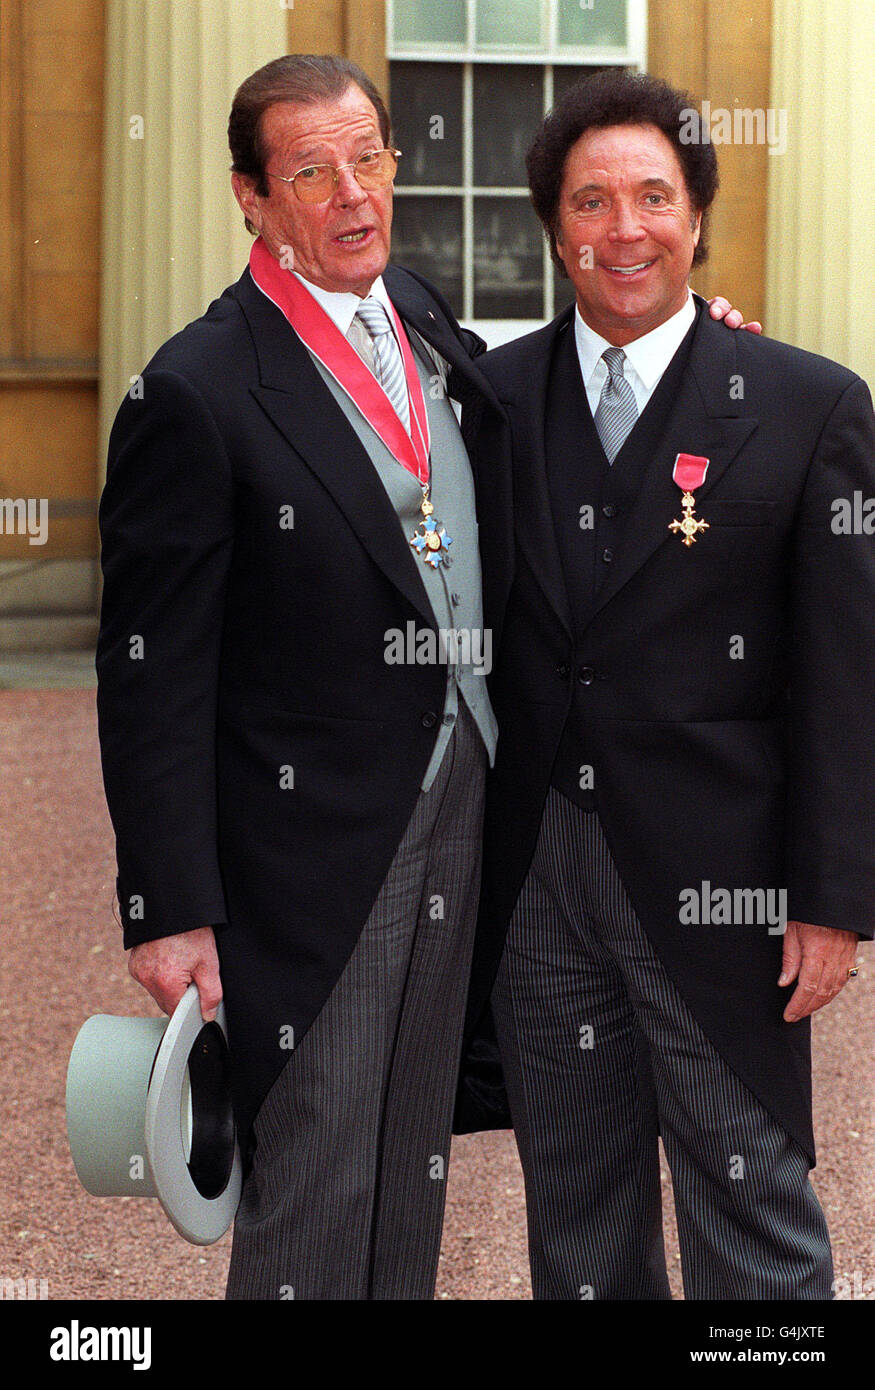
(61, 960)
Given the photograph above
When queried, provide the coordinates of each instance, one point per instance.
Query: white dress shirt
(341, 306)
(341, 309)
(646, 358)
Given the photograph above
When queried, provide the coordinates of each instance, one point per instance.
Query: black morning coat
(261, 758)
(742, 773)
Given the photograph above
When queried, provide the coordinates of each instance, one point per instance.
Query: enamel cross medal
(430, 539)
(689, 473)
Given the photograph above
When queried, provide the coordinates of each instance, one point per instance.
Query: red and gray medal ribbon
(321, 335)
(689, 474)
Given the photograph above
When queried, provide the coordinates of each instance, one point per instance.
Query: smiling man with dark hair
(684, 692)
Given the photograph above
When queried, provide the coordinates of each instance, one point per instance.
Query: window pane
(427, 236)
(508, 108)
(509, 22)
(599, 22)
(508, 281)
(427, 121)
(565, 77)
(423, 21)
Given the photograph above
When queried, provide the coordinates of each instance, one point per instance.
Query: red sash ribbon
(321, 335)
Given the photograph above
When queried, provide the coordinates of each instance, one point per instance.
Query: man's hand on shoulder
(732, 318)
(167, 966)
(821, 957)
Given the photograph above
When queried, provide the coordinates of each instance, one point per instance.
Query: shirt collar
(341, 306)
(649, 355)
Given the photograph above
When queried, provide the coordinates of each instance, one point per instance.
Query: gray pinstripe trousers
(345, 1199)
(601, 1054)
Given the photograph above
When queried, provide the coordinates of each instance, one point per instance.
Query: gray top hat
(149, 1115)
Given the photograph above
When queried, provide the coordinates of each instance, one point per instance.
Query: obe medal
(689, 473)
(430, 539)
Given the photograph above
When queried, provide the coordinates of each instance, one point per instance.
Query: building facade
(118, 225)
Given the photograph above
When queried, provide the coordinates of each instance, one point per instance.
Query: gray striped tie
(617, 408)
(387, 356)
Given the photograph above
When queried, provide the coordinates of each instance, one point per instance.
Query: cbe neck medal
(430, 539)
(689, 473)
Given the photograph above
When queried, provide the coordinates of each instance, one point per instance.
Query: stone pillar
(173, 236)
(820, 276)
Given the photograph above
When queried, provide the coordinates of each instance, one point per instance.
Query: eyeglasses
(315, 183)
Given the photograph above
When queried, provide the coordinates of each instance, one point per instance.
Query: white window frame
(632, 54)
(547, 56)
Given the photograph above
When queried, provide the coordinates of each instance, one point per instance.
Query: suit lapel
(294, 396)
(525, 398)
(705, 420)
(412, 304)
(468, 385)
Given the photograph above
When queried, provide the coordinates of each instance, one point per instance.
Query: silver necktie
(617, 408)
(387, 356)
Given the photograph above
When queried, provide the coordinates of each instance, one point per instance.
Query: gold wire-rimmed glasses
(315, 183)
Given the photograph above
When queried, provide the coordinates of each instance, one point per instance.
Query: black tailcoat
(742, 772)
(261, 759)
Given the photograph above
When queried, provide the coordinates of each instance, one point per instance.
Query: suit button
(562, 672)
(429, 719)
(586, 675)
(607, 555)
(609, 509)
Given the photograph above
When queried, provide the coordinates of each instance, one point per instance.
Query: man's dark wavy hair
(618, 97)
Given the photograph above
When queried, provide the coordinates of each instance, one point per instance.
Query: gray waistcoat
(455, 593)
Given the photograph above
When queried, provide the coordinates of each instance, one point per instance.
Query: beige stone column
(173, 236)
(820, 276)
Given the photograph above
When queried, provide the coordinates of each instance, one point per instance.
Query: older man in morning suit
(296, 788)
